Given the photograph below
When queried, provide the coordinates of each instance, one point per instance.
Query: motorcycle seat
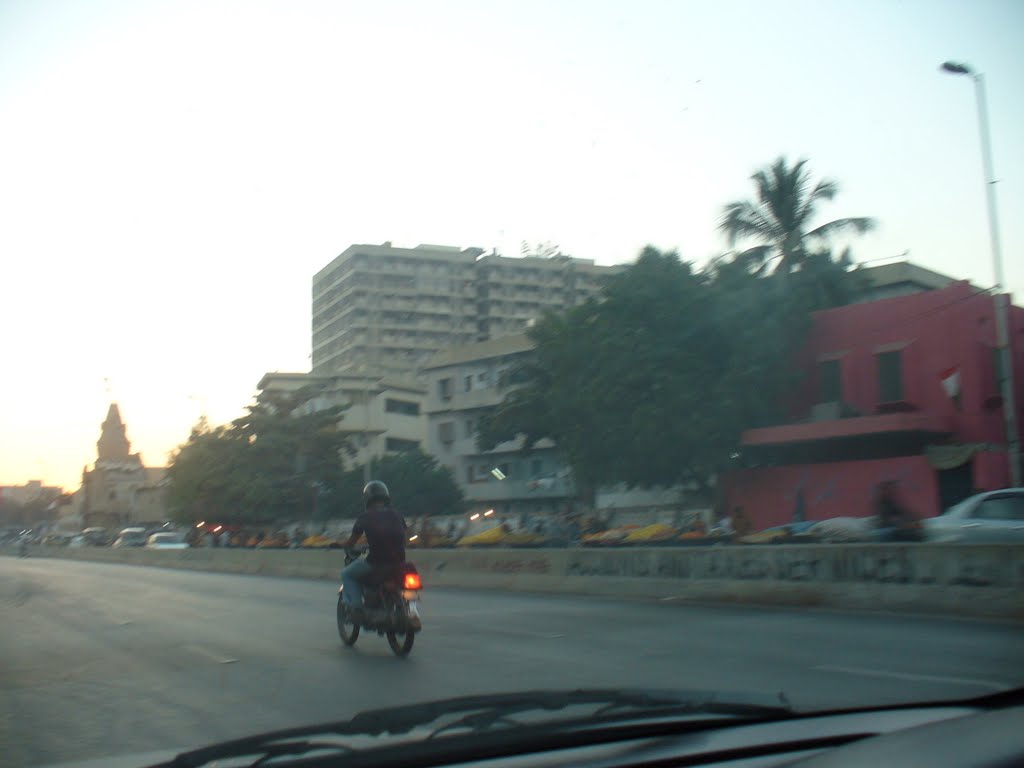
(388, 574)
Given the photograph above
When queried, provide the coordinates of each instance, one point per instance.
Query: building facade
(388, 310)
(463, 383)
(903, 389)
(900, 278)
(120, 490)
(32, 492)
(383, 414)
(513, 292)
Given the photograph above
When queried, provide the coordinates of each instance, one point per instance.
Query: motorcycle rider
(385, 531)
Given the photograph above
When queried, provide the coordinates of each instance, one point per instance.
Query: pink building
(902, 389)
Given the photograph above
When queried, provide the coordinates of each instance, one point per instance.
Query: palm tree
(786, 204)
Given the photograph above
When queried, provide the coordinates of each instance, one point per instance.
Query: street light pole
(1001, 299)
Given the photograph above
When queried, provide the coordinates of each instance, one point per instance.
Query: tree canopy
(653, 383)
(283, 460)
(419, 485)
(781, 218)
(272, 463)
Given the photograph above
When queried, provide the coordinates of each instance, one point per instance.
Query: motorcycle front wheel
(348, 630)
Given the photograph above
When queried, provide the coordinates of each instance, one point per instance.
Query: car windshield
(452, 348)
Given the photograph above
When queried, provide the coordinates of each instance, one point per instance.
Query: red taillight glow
(412, 581)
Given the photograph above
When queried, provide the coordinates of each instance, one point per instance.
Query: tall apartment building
(388, 309)
(385, 309)
(512, 292)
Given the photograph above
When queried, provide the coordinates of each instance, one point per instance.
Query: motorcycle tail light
(412, 581)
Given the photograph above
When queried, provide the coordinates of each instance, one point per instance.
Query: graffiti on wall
(496, 563)
(866, 564)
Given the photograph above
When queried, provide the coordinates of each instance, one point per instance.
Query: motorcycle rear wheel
(401, 643)
(348, 630)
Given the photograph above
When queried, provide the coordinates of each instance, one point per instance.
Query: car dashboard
(925, 736)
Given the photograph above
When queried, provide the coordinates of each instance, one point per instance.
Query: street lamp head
(955, 68)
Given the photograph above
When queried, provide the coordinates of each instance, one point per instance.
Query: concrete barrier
(967, 580)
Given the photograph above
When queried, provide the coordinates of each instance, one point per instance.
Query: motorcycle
(390, 607)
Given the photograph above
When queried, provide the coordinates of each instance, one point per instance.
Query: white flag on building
(951, 382)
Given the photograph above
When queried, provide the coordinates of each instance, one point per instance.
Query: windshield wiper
(481, 713)
(647, 702)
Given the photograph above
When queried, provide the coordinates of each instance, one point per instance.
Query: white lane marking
(971, 681)
(212, 655)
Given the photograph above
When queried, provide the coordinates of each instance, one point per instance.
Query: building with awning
(903, 389)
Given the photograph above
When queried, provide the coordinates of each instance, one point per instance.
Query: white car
(130, 537)
(994, 517)
(166, 541)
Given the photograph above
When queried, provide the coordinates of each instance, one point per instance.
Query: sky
(172, 174)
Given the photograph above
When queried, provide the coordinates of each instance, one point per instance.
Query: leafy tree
(612, 382)
(419, 485)
(283, 460)
(781, 218)
(30, 513)
(208, 477)
(654, 383)
(275, 462)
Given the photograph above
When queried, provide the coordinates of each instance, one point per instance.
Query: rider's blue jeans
(351, 580)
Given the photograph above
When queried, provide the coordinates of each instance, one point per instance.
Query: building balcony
(844, 439)
(460, 401)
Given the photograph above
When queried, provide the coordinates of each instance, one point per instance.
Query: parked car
(131, 537)
(166, 541)
(987, 518)
(96, 537)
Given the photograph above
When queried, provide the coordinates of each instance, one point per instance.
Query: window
(890, 376)
(1007, 508)
(519, 375)
(830, 387)
(468, 383)
(536, 467)
(470, 474)
(403, 407)
(444, 389)
(446, 431)
(470, 427)
(997, 371)
(397, 445)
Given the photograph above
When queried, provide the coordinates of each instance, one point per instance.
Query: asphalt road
(99, 659)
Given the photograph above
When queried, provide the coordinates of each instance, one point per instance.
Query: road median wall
(966, 580)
